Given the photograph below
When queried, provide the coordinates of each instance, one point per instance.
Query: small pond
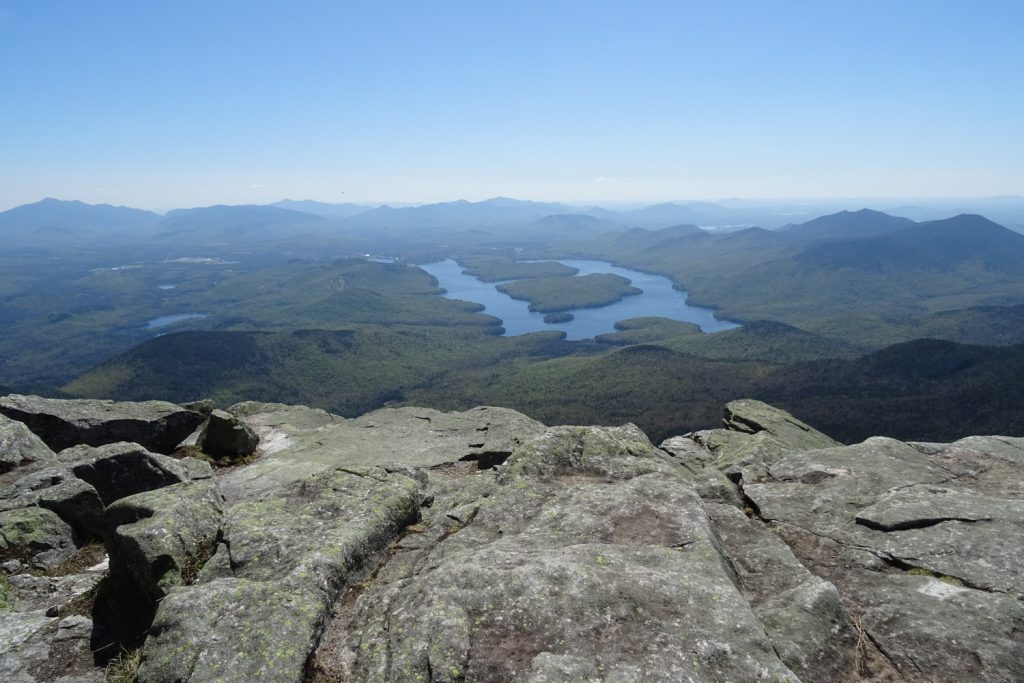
(170, 319)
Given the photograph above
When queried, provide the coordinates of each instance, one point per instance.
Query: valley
(506, 342)
(296, 313)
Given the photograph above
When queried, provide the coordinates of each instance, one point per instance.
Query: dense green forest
(868, 291)
(553, 294)
(495, 269)
(859, 323)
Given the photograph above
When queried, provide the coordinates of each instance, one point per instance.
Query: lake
(169, 319)
(658, 299)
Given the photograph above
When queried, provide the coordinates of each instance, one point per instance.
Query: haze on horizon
(194, 103)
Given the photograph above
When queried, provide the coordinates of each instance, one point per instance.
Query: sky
(172, 104)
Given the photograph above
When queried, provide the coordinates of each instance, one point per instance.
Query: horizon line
(370, 204)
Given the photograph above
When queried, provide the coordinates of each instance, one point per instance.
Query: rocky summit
(268, 542)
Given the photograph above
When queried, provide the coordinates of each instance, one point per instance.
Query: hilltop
(283, 543)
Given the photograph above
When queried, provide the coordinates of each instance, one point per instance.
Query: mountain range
(54, 221)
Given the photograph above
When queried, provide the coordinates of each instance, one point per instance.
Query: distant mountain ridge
(933, 244)
(863, 223)
(57, 220)
(497, 215)
(499, 212)
(243, 219)
(325, 209)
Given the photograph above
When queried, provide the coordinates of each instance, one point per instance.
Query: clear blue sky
(163, 104)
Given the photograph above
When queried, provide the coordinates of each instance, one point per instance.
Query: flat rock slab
(257, 609)
(921, 540)
(802, 613)
(394, 438)
(989, 465)
(933, 630)
(156, 425)
(591, 558)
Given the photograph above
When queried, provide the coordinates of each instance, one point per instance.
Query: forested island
(553, 294)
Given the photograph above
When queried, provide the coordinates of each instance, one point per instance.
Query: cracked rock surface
(415, 545)
(921, 540)
(156, 425)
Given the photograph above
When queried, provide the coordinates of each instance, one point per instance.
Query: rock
(224, 435)
(122, 469)
(802, 613)
(422, 437)
(815, 489)
(411, 544)
(57, 489)
(86, 479)
(203, 406)
(582, 452)
(77, 503)
(757, 432)
(937, 631)
(41, 637)
(51, 594)
(691, 454)
(919, 556)
(15, 629)
(36, 534)
(195, 468)
(161, 538)
(156, 425)
(73, 627)
(6, 598)
(920, 506)
(19, 446)
(592, 556)
(291, 553)
(297, 418)
(231, 630)
(394, 438)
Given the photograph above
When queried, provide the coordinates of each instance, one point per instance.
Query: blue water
(169, 319)
(658, 299)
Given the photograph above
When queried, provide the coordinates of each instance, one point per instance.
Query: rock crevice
(411, 544)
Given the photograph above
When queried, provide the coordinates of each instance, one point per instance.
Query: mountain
(869, 290)
(966, 237)
(663, 215)
(57, 220)
(765, 341)
(753, 238)
(642, 239)
(922, 389)
(242, 221)
(497, 214)
(732, 213)
(571, 226)
(1006, 210)
(327, 210)
(983, 325)
(847, 224)
(943, 244)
